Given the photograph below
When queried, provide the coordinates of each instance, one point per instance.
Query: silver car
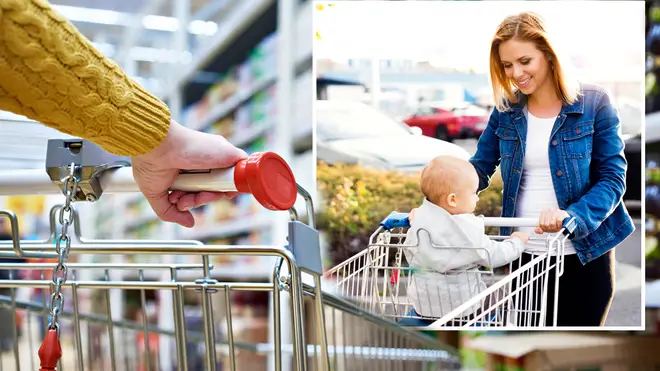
(356, 133)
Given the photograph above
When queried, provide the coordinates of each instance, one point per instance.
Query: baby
(446, 275)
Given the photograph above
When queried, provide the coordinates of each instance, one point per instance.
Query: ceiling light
(150, 22)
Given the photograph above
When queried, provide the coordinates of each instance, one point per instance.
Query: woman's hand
(182, 149)
(551, 220)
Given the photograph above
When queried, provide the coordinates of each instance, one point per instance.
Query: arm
(501, 252)
(609, 165)
(50, 73)
(487, 156)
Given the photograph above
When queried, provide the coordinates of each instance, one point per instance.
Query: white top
(536, 189)
(445, 270)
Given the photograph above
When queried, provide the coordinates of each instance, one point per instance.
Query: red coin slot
(268, 178)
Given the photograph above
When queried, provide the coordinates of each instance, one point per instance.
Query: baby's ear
(451, 199)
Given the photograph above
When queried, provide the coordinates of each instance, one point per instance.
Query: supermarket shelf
(652, 127)
(303, 138)
(241, 97)
(305, 64)
(228, 228)
(231, 104)
(142, 219)
(240, 19)
(248, 135)
(231, 88)
(132, 199)
(245, 46)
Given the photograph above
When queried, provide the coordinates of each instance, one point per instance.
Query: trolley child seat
(382, 280)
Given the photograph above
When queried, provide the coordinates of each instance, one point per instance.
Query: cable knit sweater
(51, 73)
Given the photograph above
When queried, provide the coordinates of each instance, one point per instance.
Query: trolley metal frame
(379, 280)
(382, 344)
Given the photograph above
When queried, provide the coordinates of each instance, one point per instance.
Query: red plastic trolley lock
(50, 351)
(265, 175)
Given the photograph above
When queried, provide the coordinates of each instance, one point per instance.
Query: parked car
(447, 121)
(356, 133)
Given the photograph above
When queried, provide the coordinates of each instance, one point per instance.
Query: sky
(607, 35)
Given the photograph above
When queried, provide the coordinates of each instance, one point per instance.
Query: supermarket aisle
(242, 70)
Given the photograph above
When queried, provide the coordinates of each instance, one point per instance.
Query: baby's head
(451, 183)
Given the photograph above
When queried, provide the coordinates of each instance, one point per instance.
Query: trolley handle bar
(568, 225)
(510, 222)
(402, 220)
(265, 175)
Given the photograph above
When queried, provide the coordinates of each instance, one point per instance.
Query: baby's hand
(520, 235)
(411, 215)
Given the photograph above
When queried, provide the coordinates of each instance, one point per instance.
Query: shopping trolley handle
(264, 175)
(16, 241)
(402, 220)
(569, 226)
(396, 220)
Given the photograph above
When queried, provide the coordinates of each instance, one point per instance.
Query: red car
(450, 122)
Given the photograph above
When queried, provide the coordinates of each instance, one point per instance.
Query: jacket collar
(520, 108)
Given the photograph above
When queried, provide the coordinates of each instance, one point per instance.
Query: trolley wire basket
(389, 280)
(309, 329)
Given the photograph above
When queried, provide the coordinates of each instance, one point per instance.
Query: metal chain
(60, 272)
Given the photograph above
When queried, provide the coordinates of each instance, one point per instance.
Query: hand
(551, 220)
(524, 237)
(411, 215)
(182, 149)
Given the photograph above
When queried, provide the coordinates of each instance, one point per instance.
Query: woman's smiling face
(524, 65)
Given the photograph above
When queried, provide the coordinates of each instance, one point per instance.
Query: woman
(50, 73)
(560, 152)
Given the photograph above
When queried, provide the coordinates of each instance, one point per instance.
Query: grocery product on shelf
(225, 127)
(652, 215)
(263, 58)
(239, 83)
(653, 57)
(652, 192)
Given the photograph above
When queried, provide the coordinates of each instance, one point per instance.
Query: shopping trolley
(382, 282)
(336, 335)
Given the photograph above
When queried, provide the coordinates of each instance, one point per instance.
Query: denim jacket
(587, 163)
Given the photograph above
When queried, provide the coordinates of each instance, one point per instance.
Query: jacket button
(506, 132)
(559, 173)
(578, 131)
(554, 142)
(589, 256)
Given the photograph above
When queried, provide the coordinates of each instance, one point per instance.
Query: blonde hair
(442, 175)
(527, 26)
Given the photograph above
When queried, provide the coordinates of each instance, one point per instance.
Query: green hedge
(354, 200)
